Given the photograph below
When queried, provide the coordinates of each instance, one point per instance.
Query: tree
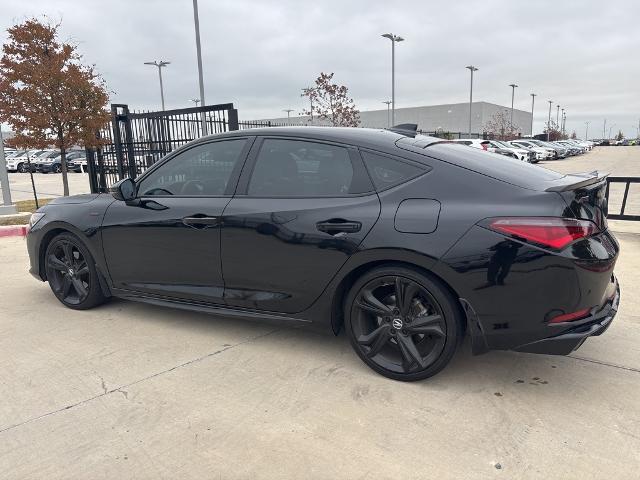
(620, 135)
(47, 95)
(574, 135)
(499, 126)
(554, 132)
(330, 102)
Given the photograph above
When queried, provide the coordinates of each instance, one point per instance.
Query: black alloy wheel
(402, 323)
(57, 168)
(71, 273)
(22, 168)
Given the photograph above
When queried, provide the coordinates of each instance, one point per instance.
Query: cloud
(580, 54)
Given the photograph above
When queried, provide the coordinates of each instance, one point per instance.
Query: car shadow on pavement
(490, 370)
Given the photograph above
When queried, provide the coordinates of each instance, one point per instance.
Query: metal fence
(626, 181)
(133, 141)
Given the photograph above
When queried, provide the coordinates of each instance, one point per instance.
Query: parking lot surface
(130, 390)
(48, 185)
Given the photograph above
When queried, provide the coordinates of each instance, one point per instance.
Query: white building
(448, 118)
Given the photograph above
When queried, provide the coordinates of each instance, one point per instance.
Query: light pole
(471, 69)
(7, 207)
(196, 23)
(513, 92)
(388, 102)
(308, 92)
(196, 101)
(394, 39)
(533, 102)
(558, 116)
(159, 64)
(288, 110)
(562, 119)
(549, 121)
(586, 131)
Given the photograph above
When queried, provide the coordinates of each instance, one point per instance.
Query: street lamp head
(513, 85)
(159, 64)
(472, 68)
(392, 37)
(534, 94)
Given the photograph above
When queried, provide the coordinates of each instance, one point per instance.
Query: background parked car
(542, 153)
(524, 154)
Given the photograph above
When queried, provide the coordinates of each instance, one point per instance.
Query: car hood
(74, 199)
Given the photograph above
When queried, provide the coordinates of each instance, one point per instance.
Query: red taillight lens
(571, 317)
(550, 232)
(484, 146)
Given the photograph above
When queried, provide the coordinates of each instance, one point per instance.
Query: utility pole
(513, 92)
(309, 91)
(394, 39)
(388, 103)
(161, 64)
(7, 206)
(196, 23)
(471, 69)
(533, 102)
(549, 121)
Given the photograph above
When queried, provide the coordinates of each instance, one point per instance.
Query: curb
(13, 231)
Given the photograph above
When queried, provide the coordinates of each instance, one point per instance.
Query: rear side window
(387, 171)
(296, 168)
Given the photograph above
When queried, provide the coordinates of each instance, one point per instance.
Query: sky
(582, 55)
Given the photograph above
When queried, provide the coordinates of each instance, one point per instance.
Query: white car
(18, 162)
(542, 153)
(523, 154)
(476, 143)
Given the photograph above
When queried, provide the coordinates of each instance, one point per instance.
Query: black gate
(133, 141)
(626, 181)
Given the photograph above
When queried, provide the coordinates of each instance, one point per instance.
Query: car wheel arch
(344, 286)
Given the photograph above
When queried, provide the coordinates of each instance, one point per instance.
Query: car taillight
(484, 146)
(551, 232)
(571, 317)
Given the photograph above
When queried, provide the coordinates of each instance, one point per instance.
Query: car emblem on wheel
(397, 323)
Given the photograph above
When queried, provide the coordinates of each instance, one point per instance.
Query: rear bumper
(571, 340)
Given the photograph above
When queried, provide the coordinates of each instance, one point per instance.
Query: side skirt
(217, 310)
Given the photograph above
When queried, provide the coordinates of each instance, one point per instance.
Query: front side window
(203, 170)
(296, 168)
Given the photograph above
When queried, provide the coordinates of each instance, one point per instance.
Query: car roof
(362, 137)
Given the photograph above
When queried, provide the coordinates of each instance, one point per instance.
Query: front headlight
(35, 218)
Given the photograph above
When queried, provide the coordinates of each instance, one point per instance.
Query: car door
(301, 209)
(167, 241)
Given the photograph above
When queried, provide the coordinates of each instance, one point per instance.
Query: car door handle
(338, 225)
(201, 222)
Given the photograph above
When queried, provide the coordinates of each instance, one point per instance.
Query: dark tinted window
(296, 168)
(203, 170)
(386, 171)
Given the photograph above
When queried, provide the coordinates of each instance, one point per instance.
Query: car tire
(408, 340)
(72, 274)
(56, 168)
(21, 168)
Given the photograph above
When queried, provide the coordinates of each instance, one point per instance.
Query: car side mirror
(124, 190)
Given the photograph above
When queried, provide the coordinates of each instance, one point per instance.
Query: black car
(405, 242)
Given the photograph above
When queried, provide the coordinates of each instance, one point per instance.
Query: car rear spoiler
(575, 181)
